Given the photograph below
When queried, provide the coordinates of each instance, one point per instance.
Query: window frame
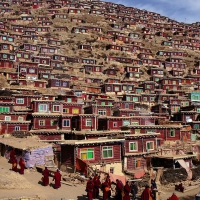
(130, 143)
(106, 149)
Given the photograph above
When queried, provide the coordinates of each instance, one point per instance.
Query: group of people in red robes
(13, 161)
(147, 194)
(92, 187)
(56, 178)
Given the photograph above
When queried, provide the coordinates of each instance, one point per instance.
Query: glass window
(150, 145)
(66, 123)
(87, 154)
(133, 146)
(42, 107)
(88, 122)
(20, 101)
(4, 109)
(56, 108)
(75, 111)
(126, 122)
(7, 118)
(172, 133)
(102, 112)
(17, 128)
(107, 152)
(69, 100)
(41, 122)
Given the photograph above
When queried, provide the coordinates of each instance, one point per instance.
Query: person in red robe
(97, 185)
(109, 185)
(173, 197)
(12, 155)
(146, 194)
(14, 165)
(57, 178)
(90, 189)
(105, 189)
(45, 178)
(22, 166)
(119, 189)
(127, 190)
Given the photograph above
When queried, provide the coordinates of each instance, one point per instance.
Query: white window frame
(7, 118)
(150, 142)
(64, 120)
(102, 112)
(43, 110)
(88, 122)
(133, 143)
(54, 106)
(20, 100)
(17, 128)
(41, 121)
(115, 124)
(106, 148)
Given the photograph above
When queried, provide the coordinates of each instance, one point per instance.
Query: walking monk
(12, 155)
(57, 178)
(45, 178)
(146, 194)
(127, 190)
(90, 189)
(14, 164)
(22, 166)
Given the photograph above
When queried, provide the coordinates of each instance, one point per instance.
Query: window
(66, 110)
(69, 100)
(75, 111)
(128, 98)
(151, 98)
(144, 98)
(103, 103)
(56, 108)
(149, 131)
(117, 88)
(17, 128)
(5, 55)
(108, 88)
(88, 122)
(198, 110)
(64, 84)
(57, 83)
(41, 122)
(127, 105)
(134, 123)
(4, 109)
(137, 163)
(133, 146)
(31, 71)
(126, 122)
(172, 133)
(20, 101)
(53, 122)
(137, 131)
(107, 152)
(110, 103)
(150, 145)
(115, 124)
(20, 118)
(87, 154)
(7, 118)
(135, 98)
(66, 123)
(196, 126)
(42, 107)
(112, 170)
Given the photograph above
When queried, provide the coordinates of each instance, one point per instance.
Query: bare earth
(31, 181)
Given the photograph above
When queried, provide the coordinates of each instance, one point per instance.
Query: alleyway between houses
(48, 193)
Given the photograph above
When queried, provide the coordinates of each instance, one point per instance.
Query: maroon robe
(57, 178)
(97, 185)
(127, 190)
(119, 188)
(14, 165)
(89, 189)
(146, 194)
(173, 197)
(105, 193)
(45, 179)
(22, 166)
(12, 156)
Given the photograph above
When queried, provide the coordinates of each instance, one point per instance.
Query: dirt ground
(35, 189)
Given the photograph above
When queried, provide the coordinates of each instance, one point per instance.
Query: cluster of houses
(116, 114)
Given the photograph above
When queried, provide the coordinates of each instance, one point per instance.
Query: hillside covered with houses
(114, 86)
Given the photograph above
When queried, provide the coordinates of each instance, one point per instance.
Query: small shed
(34, 152)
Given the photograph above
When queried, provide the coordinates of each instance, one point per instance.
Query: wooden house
(58, 83)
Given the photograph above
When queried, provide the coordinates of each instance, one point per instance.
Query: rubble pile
(11, 180)
(173, 176)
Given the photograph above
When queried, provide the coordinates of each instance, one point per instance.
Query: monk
(109, 185)
(97, 185)
(89, 189)
(12, 155)
(105, 189)
(146, 194)
(57, 178)
(119, 189)
(127, 190)
(14, 164)
(45, 178)
(173, 197)
(22, 166)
